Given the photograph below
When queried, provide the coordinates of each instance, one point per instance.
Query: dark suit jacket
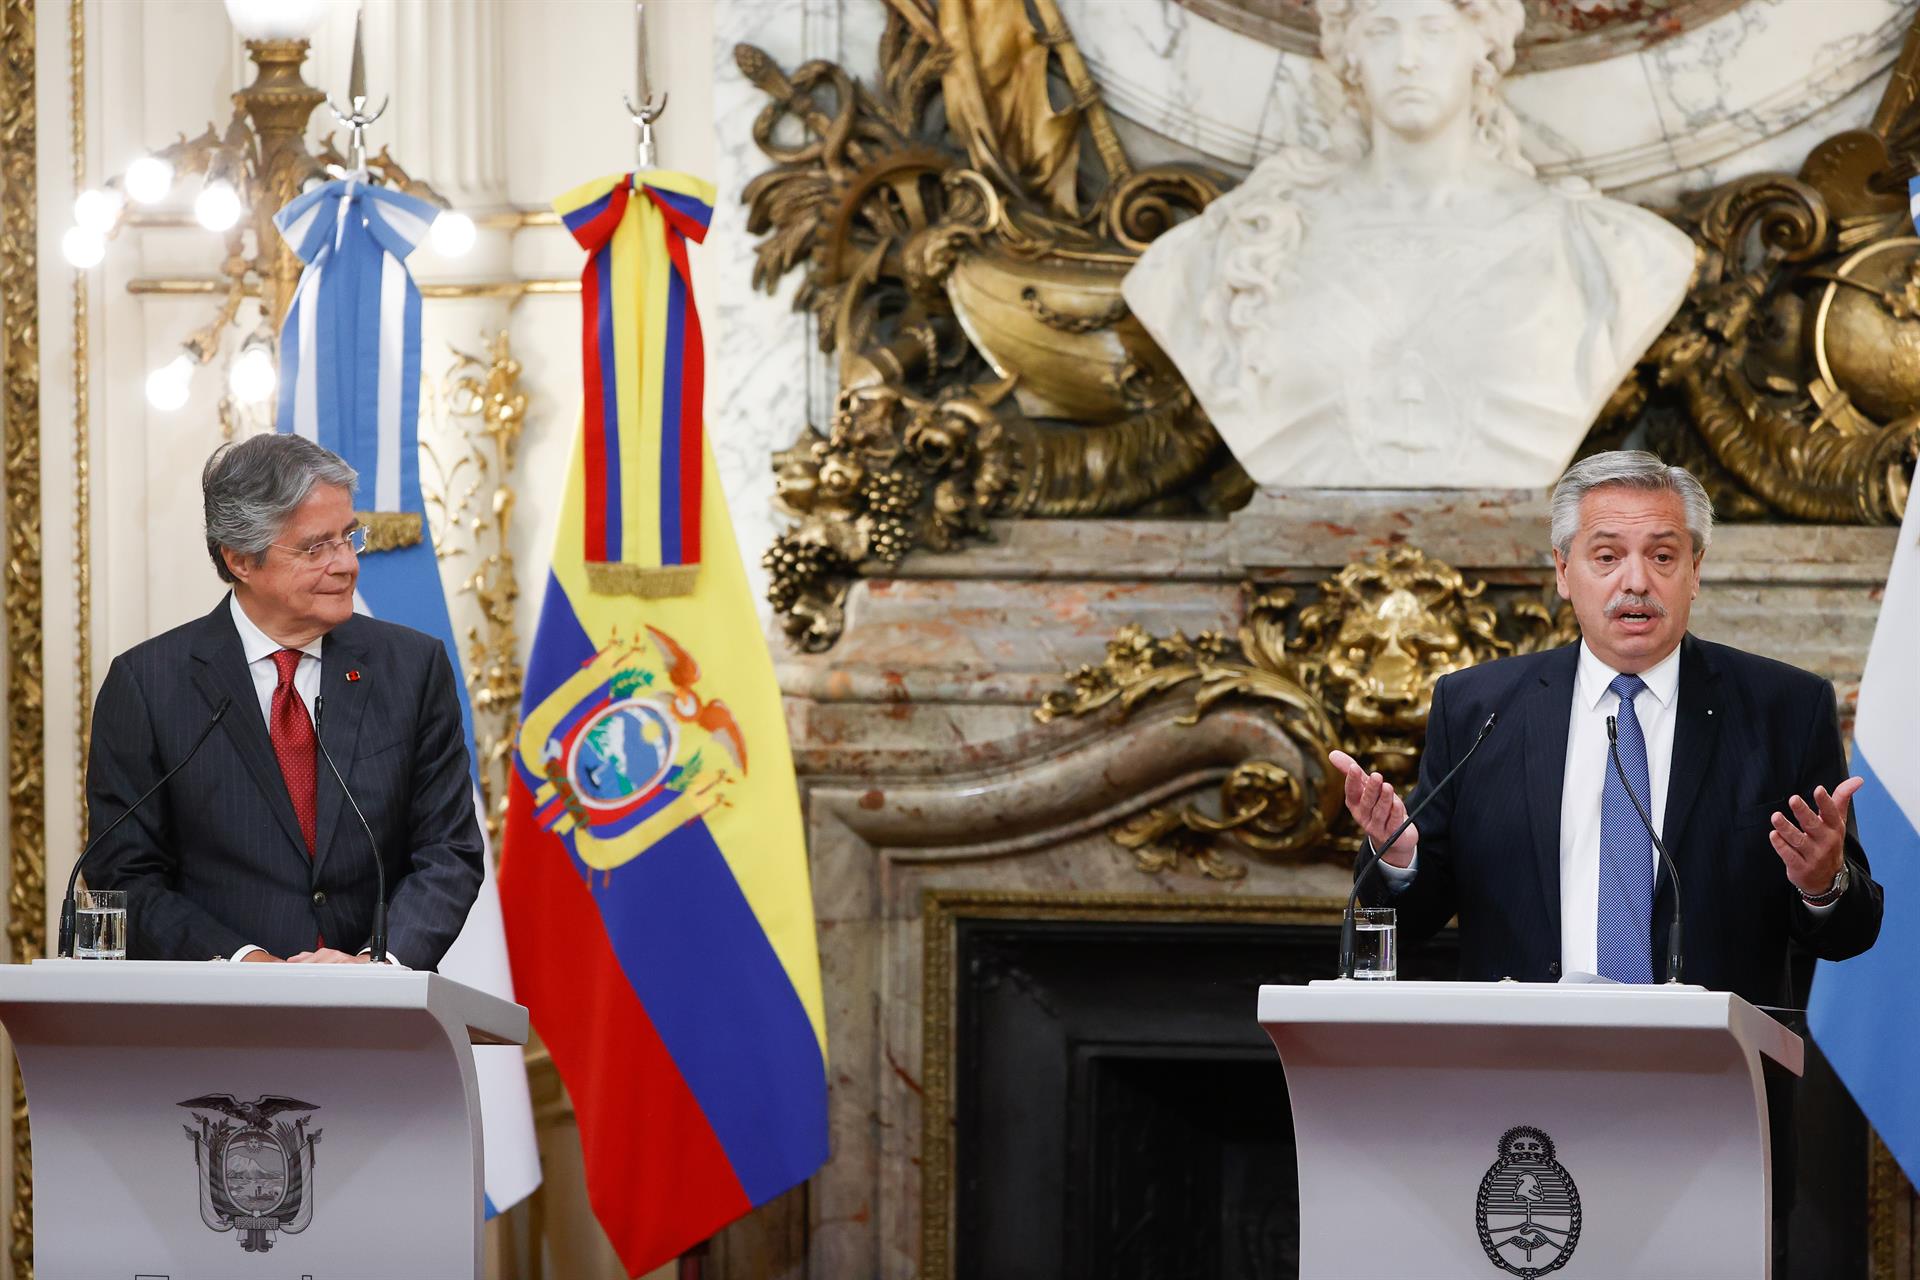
(1749, 733)
(216, 859)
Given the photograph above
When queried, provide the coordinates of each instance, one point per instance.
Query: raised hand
(1373, 804)
(1812, 850)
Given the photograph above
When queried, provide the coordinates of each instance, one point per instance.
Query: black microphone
(377, 944)
(65, 950)
(1346, 923)
(1673, 872)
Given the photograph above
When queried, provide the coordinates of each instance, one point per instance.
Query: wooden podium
(201, 1121)
(1456, 1129)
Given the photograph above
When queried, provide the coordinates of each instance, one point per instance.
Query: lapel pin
(353, 677)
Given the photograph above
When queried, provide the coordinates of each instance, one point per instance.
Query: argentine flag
(350, 380)
(1862, 1010)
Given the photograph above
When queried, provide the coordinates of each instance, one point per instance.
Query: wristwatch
(1832, 895)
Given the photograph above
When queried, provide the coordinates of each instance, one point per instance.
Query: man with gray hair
(1737, 760)
(1538, 847)
(252, 851)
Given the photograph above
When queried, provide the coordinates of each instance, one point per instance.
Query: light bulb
(149, 179)
(168, 385)
(83, 247)
(253, 377)
(217, 207)
(97, 210)
(452, 234)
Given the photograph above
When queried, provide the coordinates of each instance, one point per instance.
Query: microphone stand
(65, 949)
(1346, 921)
(1673, 872)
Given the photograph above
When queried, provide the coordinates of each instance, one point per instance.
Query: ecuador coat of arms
(256, 1172)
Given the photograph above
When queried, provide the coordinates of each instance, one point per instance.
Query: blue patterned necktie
(1625, 951)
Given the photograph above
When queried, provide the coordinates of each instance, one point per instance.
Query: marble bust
(1410, 307)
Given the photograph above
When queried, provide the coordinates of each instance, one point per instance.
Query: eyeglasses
(323, 552)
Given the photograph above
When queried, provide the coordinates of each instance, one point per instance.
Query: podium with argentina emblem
(1460, 1129)
(194, 1121)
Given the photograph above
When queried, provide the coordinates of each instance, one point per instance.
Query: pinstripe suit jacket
(216, 860)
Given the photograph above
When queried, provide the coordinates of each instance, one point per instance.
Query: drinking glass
(100, 925)
(1373, 944)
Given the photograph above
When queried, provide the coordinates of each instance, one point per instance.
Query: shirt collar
(257, 644)
(1662, 679)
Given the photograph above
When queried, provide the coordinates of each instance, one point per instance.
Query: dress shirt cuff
(392, 959)
(1398, 878)
(1822, 911)
(243, 953)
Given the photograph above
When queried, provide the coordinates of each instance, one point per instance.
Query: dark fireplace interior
(1119, 1115)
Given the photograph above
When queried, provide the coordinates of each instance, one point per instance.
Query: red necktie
(293, 742)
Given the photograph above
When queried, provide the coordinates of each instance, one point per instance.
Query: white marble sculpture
(1410, 307)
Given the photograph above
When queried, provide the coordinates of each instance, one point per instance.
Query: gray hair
(1628, 469)
(253, 486)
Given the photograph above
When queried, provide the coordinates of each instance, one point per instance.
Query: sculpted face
(1416, 60)
(290, 595)
(1631, 574)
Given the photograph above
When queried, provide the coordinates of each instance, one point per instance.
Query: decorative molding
(939, 910)
(25, 602)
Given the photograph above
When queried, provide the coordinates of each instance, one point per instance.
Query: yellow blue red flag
(654, 876)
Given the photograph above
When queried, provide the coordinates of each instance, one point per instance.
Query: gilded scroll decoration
(962, 257)
(1353, 667)
(966, 271)
(470, 500)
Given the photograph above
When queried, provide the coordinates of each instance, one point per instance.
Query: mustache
(1628, 602)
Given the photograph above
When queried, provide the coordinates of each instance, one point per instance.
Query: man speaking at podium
(252, 851)
(1537, 846)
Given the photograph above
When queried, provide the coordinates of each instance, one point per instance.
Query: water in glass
(100, 925)
(1373, 944)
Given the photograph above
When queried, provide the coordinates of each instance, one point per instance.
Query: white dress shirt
(1587, 765)
(259, 648)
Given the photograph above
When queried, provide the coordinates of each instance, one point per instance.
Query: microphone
(1346, 923)
(377, 944)
(65, 949)
(1673, 872)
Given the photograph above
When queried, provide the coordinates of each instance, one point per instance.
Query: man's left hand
(327, 955)
(1814, 849)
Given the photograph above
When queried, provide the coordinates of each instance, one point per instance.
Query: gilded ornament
(962, 259)
(1352, 668)
(470, 500)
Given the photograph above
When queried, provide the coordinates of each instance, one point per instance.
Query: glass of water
(100, 925)
(1373, 939)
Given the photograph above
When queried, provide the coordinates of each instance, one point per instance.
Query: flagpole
(648, 111)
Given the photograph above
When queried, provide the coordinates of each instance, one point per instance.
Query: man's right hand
(1377, 809)
(261, 957)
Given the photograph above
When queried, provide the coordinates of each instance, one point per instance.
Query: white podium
(1455, 1129)
(208, 1121)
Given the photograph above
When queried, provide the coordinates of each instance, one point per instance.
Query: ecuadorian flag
(654, 877)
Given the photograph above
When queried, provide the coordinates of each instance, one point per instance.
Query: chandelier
(248, 173)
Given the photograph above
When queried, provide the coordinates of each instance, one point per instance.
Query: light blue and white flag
(1862, 1011)
(350, 380)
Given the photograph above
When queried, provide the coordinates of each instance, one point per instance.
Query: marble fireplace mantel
(924, 769)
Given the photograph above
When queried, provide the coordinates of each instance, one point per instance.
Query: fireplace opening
(1116, 1113)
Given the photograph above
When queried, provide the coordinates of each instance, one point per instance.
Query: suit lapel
(1696, 731)
(1546, 715)
(343, 702)
(220, 671)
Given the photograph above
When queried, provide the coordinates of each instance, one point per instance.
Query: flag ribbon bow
(350, 346)
(643, 367)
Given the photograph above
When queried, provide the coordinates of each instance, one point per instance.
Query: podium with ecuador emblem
(305, 1122)
(1460, 1129)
